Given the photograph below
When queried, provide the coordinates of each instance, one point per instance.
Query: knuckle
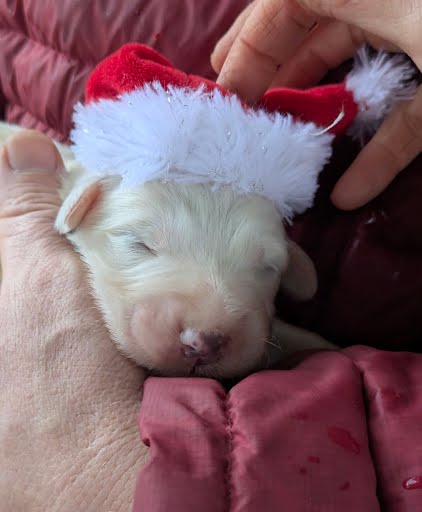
(264, 57)
(298, 16)
(273, 17)
(24, 203)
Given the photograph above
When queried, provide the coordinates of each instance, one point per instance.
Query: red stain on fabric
(313, 459)
(343, 438)
(413, 483)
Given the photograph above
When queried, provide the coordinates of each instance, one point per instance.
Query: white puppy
(185, 276)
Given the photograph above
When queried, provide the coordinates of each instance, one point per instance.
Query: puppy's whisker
(273, 344)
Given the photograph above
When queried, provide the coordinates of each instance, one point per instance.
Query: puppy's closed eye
(271, 266)
(131, 242)
(142, 246)
(268, 270)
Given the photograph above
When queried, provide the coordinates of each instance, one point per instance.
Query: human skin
(68, 432)
(294, 43)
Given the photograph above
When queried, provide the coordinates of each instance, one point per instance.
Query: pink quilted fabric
(298, 440)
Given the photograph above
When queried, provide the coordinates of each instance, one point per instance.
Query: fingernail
(32, 152)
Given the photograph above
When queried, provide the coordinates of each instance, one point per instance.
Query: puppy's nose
(206, 347)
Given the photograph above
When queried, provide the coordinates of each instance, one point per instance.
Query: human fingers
(393, 147)
(275, 29)
(325, 48)
(271, 33)
(30, 166)
(223, 46)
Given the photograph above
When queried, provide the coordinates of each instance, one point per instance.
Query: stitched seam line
(34, 117)
(366, 405)
(61, 54)
(229, 458)
(25, 35)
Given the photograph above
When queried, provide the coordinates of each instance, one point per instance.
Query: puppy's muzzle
(204, 347)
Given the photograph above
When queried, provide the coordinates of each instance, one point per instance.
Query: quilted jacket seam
(365, 400)
(228, 480)
(35, 117)
(61, 53)
(370, 437)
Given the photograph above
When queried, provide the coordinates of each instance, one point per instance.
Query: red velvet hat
(145, 120)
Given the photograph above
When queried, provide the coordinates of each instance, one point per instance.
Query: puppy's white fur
(165, 257)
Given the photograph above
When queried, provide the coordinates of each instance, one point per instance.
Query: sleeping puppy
(185, 276)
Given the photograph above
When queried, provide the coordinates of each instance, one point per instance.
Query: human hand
(293, 43)
(68, 401)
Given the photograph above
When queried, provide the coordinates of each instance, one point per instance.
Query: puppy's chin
(238, 360)
(225, 370)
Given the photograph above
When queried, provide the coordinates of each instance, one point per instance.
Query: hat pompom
(378, 83)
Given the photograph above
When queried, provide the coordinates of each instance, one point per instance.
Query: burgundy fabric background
(338, 432)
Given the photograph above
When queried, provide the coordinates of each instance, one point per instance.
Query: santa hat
(145, 120)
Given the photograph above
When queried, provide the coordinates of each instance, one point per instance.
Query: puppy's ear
(299, 280)
(80, 200)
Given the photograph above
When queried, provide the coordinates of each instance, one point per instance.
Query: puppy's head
(185, 276)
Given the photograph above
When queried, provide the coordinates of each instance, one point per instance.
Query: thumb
(30, 167)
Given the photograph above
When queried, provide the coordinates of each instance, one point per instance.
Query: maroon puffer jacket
(370, 271)
(339, 433)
